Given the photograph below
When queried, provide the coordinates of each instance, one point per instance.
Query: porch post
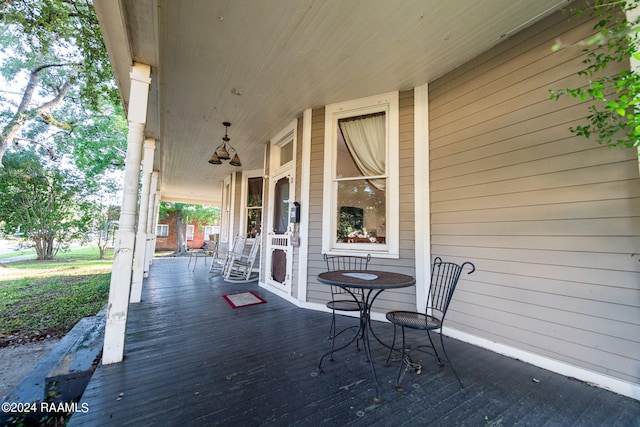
(422, 194)
(151, 229)
(118, 306)
(141, 236)
(156, 214)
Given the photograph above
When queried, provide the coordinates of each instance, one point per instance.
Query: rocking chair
(221, 261)
(240, 266)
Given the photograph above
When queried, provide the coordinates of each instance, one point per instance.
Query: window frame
(389, 104)
(192, 233)
(164, 226)
(226, 208)
(244, 196)
(211, 230)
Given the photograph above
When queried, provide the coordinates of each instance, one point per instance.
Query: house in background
(466, 158)
(195, 234)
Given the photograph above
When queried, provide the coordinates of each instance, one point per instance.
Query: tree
(55, 56)
(63, 103)
(613, 117)
(44, 203)
(103, 219)
(200, 214)
(97, 146)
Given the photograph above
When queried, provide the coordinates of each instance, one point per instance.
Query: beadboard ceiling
(260, 63)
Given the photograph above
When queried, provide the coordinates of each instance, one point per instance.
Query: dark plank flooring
(191, 359)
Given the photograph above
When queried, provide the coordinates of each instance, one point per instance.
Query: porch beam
(118, 306)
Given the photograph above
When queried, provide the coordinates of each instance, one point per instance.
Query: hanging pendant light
(223, 150)
(215, 160)
(235, 161)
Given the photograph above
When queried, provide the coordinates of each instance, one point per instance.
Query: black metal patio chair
(444, 278)
(344, 299)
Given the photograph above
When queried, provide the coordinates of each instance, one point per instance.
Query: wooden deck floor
(193, 360)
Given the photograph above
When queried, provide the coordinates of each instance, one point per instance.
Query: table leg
(334, 350)
(363, 332)
(366, 325)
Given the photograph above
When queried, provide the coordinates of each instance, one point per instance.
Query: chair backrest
(444, 279)
(347, 262)
(212, 245)
(238, 245)
(254, 249)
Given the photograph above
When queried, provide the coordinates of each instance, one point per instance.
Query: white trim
(163, 226)
(289, 133)
(226, 231)
(305, 184)
(600, 380)
(244, 190)
(422, 194)
(211, 231)
(276, 172)
(232, 210)
(389, 103)
(190, 234)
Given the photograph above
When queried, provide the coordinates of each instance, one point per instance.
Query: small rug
(243, 299)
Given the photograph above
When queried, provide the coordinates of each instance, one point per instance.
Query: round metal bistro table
(372, 283)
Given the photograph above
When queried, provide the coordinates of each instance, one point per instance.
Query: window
(283, 150)
(225, 221)
(286, 153)
(162, 230)
(361, 179)
(281, 194)
(254, 206)
(190, 230)
(209, 230)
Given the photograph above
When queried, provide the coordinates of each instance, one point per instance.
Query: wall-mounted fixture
(223, 151)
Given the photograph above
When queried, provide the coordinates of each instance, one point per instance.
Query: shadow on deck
(191, 359)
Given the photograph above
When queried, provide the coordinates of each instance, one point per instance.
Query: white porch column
(139, 256)
(151, 226)
(422, 195)
(156, 216)
(118, 306)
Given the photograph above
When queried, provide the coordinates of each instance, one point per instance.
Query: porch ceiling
(260, 64)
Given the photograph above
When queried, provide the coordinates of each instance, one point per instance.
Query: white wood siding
(550, 220)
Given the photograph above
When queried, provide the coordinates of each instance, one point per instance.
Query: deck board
(190, 359)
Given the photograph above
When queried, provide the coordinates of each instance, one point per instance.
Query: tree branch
(21, 115)
(47, 149)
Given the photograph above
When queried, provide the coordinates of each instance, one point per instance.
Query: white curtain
(365, 139)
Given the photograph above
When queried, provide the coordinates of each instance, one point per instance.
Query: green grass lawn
(18, 253)
(39, 298)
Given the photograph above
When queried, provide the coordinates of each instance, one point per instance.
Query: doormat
(243, 299)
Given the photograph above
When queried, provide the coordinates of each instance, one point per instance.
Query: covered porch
(193, 360)
(479, 165)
